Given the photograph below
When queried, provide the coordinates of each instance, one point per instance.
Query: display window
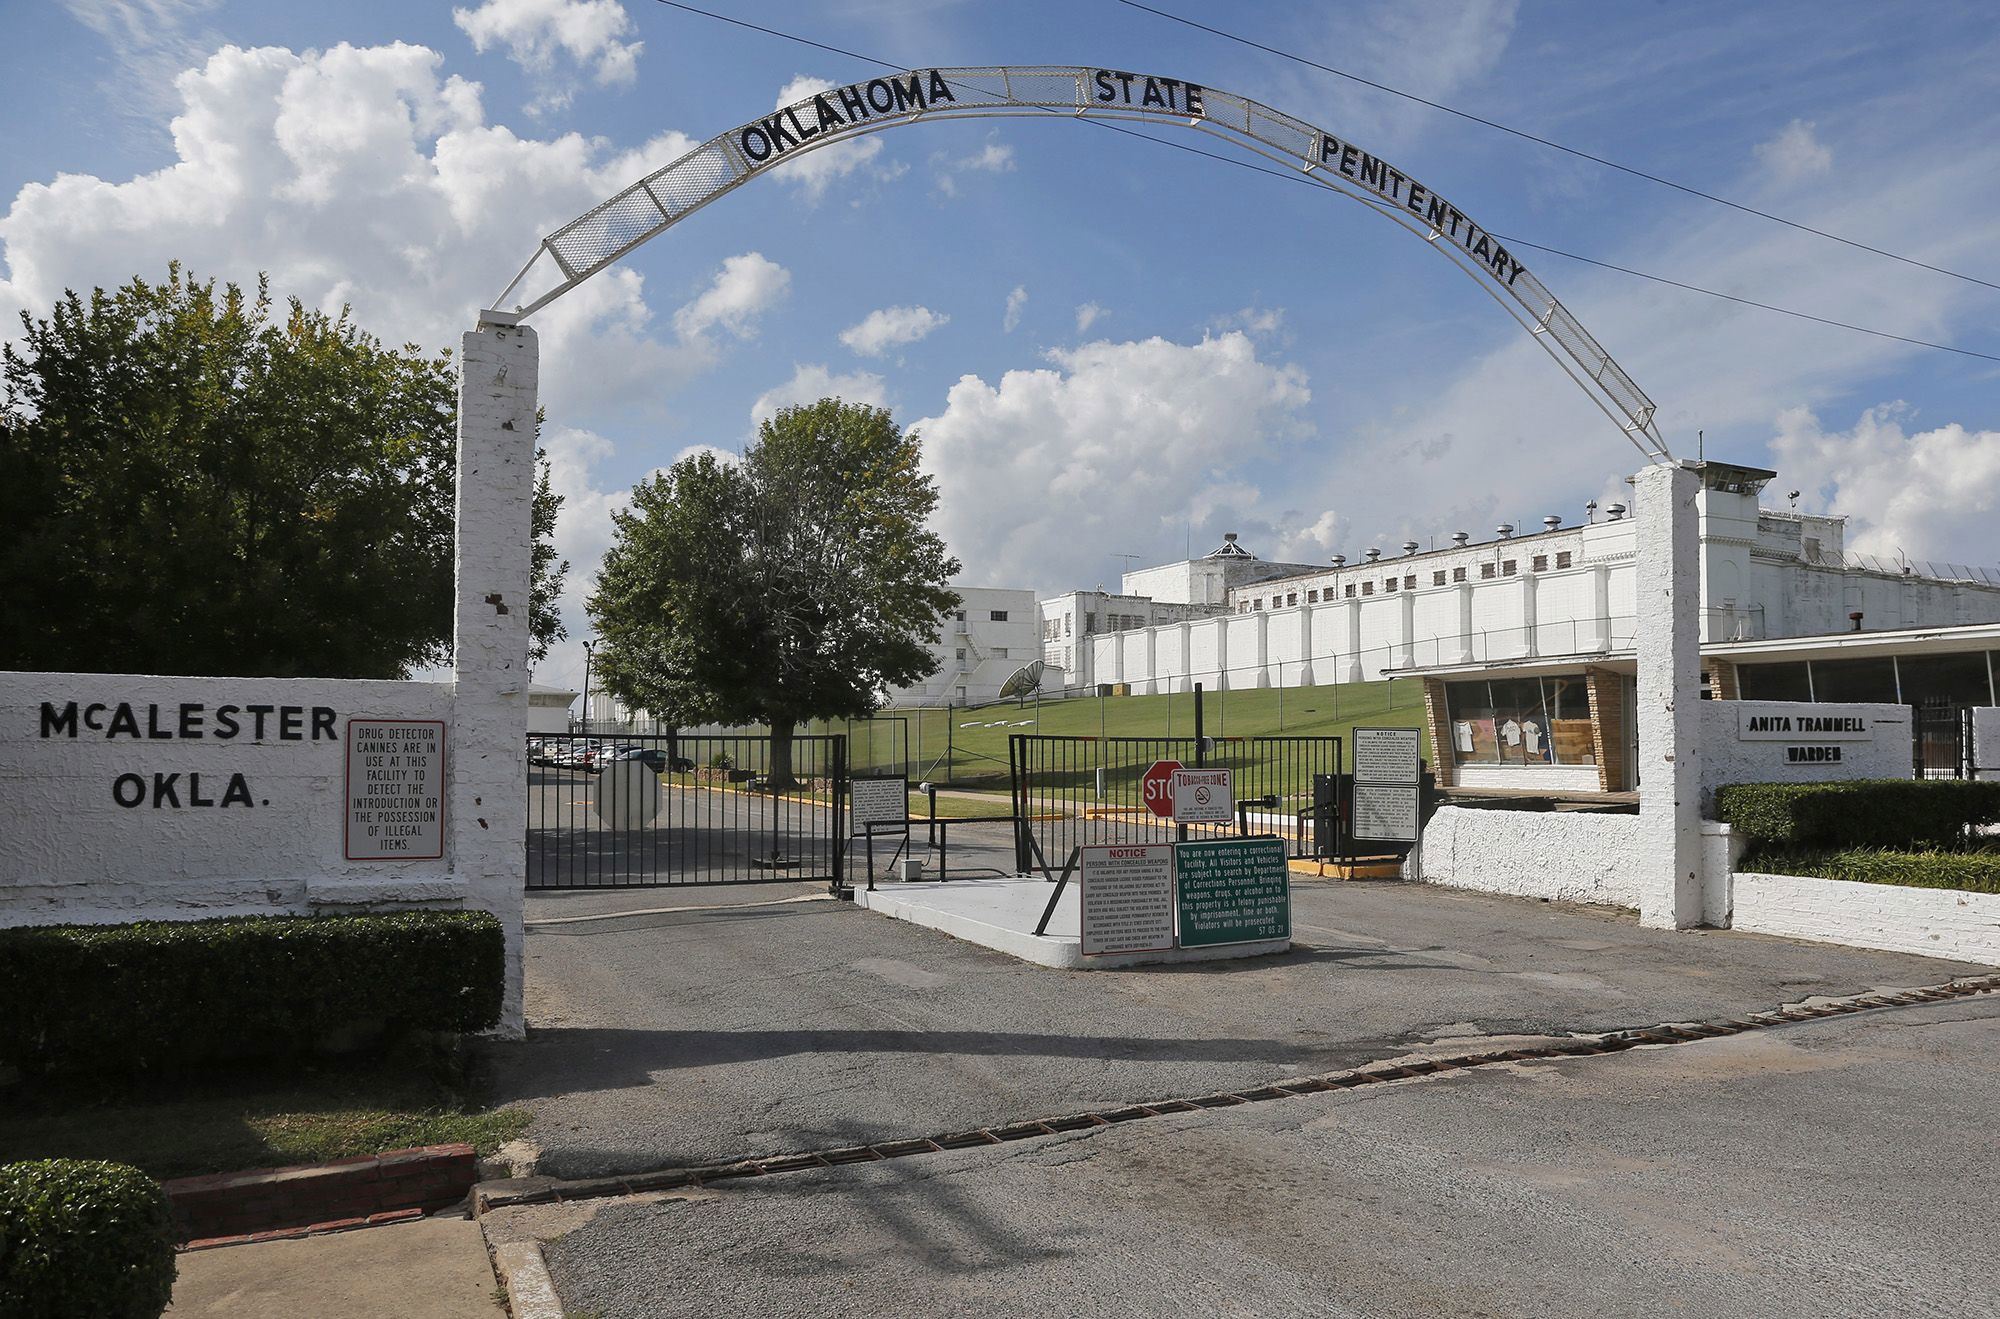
(1521, 721)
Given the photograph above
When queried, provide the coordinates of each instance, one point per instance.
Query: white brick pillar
(1350, 668)
(1667, 596)
(497, 368)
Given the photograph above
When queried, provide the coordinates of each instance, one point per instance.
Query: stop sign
(1157, 788)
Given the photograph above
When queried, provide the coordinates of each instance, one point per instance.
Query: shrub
(126, 997)
(1971, 872)
(83, 1238)
(1866, 813)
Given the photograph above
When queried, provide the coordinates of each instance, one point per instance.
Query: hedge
(130, 997)
(1865, 813)
(83, 1238)
(1970, 872)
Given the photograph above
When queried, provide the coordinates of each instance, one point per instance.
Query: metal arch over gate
(608, 231)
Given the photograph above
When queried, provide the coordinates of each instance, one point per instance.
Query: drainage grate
(1682, 1032)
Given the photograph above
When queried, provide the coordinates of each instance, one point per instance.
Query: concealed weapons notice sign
(1128, 898)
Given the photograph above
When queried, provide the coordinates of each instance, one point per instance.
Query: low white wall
(1728, 757)
(1944, 923)
(105, 818)
(1562, 855)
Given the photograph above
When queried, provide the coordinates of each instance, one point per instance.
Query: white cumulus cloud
(546, 37)
(1113, 447)
(811, 383)
(745, 287)
(1928, 494)
(1088, 315)
(890, 327)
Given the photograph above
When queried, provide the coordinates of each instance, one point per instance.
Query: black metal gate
(1069, 791)
(697, 810)
(1941, 736)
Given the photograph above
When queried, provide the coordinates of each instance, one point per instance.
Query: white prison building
(1559, 591)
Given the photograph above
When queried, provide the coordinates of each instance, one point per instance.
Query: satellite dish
(1024, 681)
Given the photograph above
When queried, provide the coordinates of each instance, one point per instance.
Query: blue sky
(1113, 348)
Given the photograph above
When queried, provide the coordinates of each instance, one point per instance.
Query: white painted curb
(531, 1293)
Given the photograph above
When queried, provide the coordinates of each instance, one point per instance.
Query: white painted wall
(73, 854)
(1931, 922)
(1986, 742)
(1563, 856)
(976, 654)
(1726, 758)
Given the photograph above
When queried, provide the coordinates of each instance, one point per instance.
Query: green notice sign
(1238, 891)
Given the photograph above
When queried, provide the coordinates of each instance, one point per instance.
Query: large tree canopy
(798, 583)
(189, 484)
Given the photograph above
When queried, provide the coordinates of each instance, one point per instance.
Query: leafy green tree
(192, 484)
(799, 583)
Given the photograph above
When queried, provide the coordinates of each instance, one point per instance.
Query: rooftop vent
(1373, 555)
(1459, 538)
(1551, 522)
(1340, 560)
(1504, 530)
(1615, 512)
(1411, 547)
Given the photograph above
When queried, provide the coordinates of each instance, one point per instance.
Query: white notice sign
(1203, 796)
(1385, 812)
(1127, 898)
(395, 789)
(1388, 755)
(877, 801)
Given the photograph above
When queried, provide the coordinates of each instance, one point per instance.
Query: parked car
(651, 757)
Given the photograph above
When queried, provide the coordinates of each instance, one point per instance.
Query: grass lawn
(226, 1122)
(968, 748)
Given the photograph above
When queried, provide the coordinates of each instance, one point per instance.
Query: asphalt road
(693, 1036)
(1844, 1167)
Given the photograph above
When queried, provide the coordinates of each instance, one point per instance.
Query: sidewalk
(434, 1267)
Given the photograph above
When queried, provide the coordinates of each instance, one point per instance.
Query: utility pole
(588, 647)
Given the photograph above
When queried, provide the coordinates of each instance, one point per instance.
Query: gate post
(487, 754)
(1669, 697)
(838, 792)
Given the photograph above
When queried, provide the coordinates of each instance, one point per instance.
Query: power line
(1300, 178)
(1557, 146)
(1557, 251)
